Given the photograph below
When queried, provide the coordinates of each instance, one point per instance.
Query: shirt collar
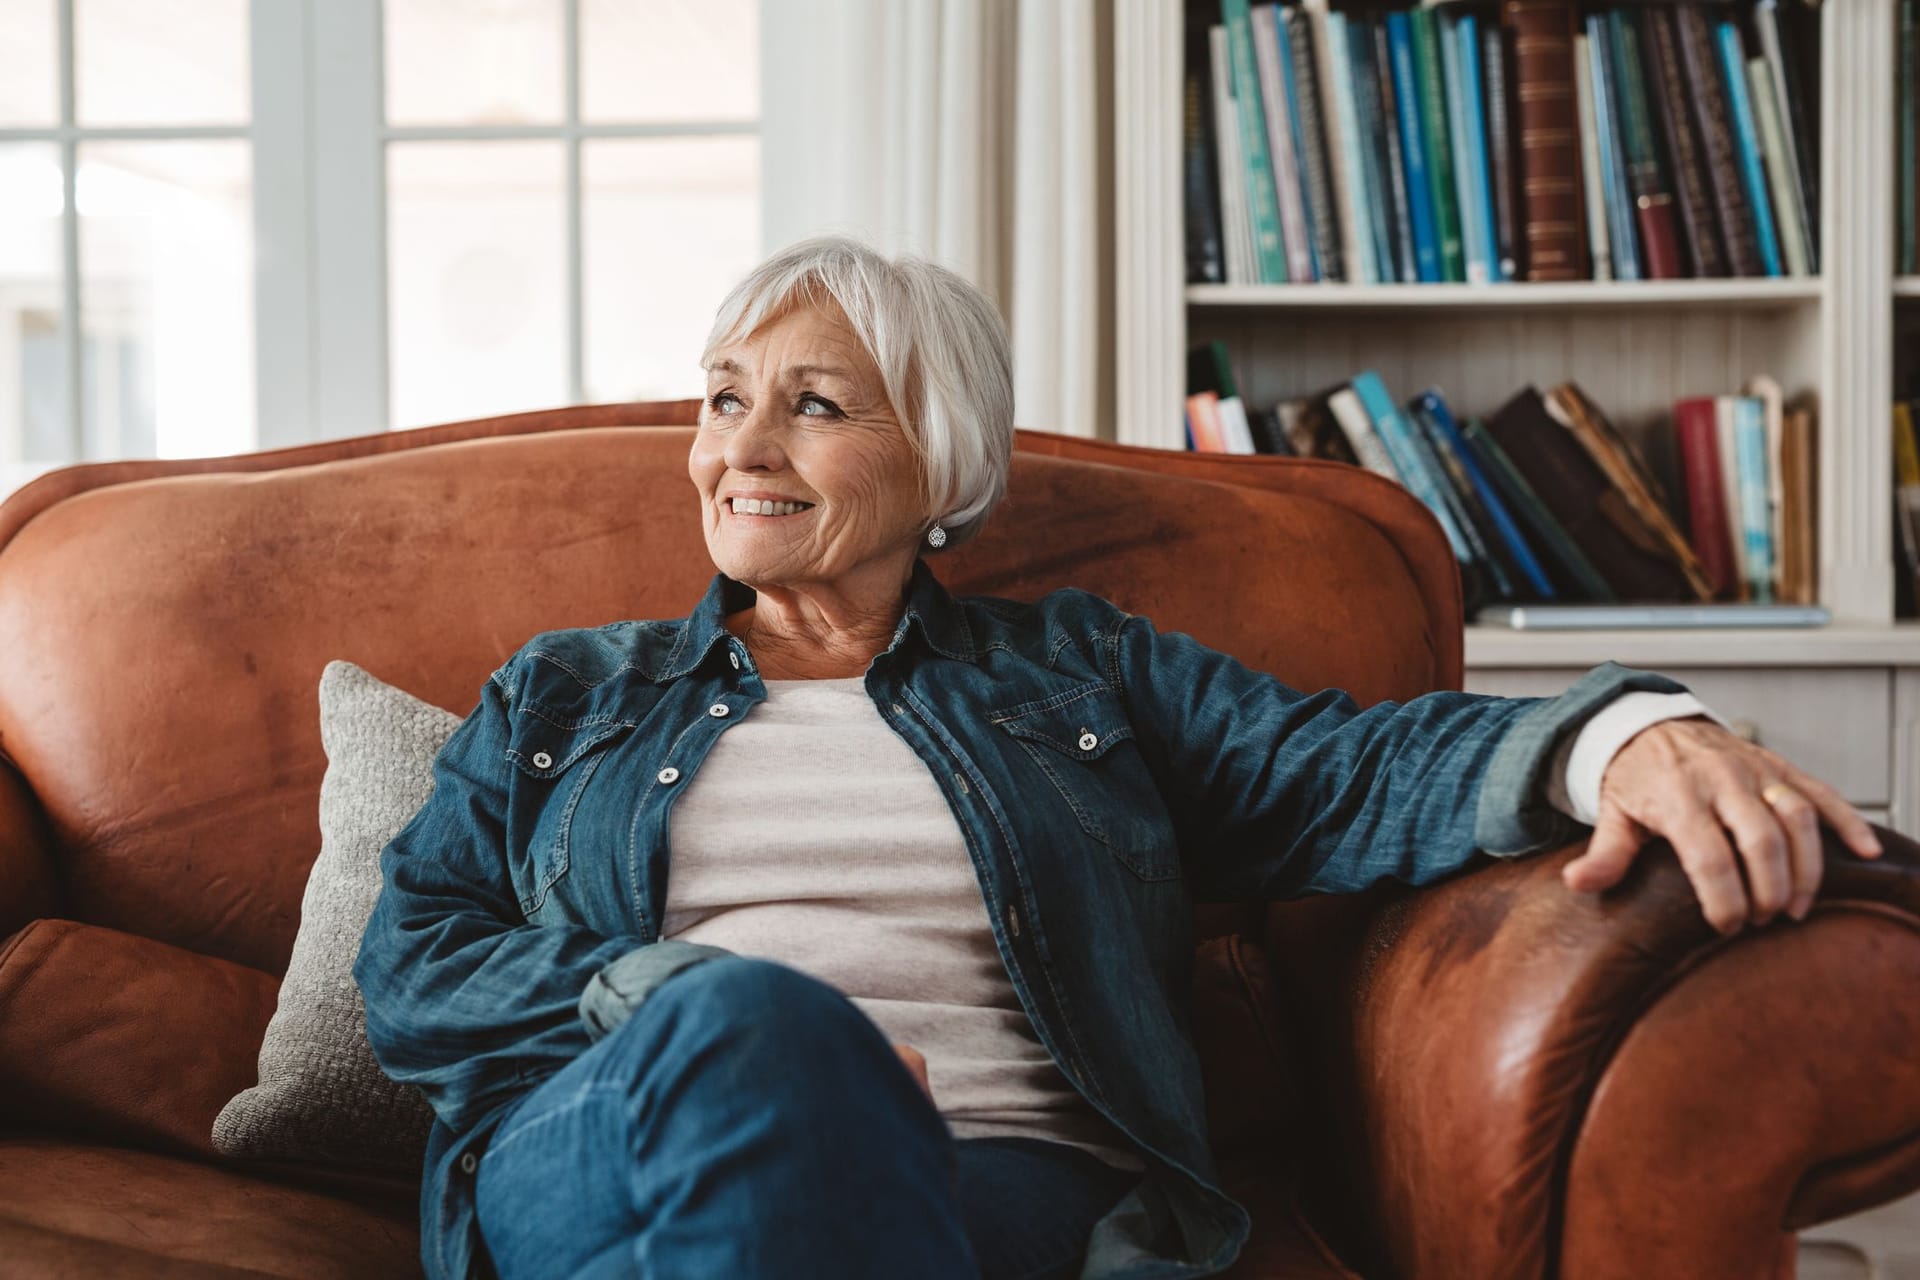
(929, 607)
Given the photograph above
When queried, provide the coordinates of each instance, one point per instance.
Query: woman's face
(804, 471)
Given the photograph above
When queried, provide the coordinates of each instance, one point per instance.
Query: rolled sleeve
(1582, 759)
(617, 990)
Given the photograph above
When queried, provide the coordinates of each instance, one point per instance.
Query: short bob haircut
(940, 346)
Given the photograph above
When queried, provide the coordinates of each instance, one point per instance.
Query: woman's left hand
(1696, 784)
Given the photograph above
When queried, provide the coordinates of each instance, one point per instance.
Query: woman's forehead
(807, 340)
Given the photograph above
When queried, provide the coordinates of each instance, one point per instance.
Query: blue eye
(713, 401)
(828, 410)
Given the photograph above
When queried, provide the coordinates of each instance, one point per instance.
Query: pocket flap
(541, 749)
(1084, 722)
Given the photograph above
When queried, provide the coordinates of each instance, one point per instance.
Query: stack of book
(1486, 143)
(1906, 507)
(1546, 501)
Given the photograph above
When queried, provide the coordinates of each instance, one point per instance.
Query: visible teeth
(766, 507)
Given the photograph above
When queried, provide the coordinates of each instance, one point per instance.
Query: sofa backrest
(165, 623)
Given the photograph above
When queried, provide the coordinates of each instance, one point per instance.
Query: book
(1693, 190)
(1384, 120)
(1573, 573)
(1349, 173)
(1622, 234)
(1210, 370)
(1199, 157)
(1799, 39)
(1242, 268)
(1780, 180)
(1494, 79)
(1311, 120)
(1756, 505)
(1269, 432)
(1773, 423)
(1269, 53)
(1648, 184)
(1724, 437)
(1312, 430)
(1363, 441)
(1714, 121)
(1697, 436)
(1436, 137)
(1746, 133)
(1461, 40)
(1794, 139)
(1799, 566)
(1906, 480)
(1414, 159)
(1907, 130)
(1486, 508)
(1419, 473)
(1584, 617)
(1263, 205)
(1599, 232)
(1549, 163)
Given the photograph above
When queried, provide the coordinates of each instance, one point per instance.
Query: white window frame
(319, 136)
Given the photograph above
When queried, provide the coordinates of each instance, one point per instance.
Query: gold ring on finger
(1774, 792)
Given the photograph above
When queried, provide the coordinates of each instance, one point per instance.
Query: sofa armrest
(1513, 1079)
(28, 886)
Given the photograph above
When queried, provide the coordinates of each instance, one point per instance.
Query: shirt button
(668, 776)
(1088, 742)
(468, 1164)
(960, 780)
(717, 709)
(733, 658)
(899, 710)
(541, 760)
(1013, 920)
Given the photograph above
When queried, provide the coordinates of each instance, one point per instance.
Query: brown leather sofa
(1489, 1078)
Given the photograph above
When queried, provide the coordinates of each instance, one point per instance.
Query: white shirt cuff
(1573, 780)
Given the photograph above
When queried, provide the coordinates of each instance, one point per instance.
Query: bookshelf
(1636, 347)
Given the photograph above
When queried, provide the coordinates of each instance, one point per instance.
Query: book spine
(1268, 54)
(1779, 177)
(1723, 431)
(1690, 182)
(1548, 161)
(1418, 478)
(1694, 433)
(1356, 192)
(1413, 150)
(1581, 573)
(1460, 43)
(1231, 168)
(1263, 201)
(1311, 127)
(1714, 118)
(1206, 258)
(1756, 521)
(1351, 417)
(1798, 197)
(1457, 492)
(1908, 129)
(1499, 519)
(1387, 121)
(1493, 67)
(1436, 138)
(1599, 232)
(1620, 231)
(1651, 191)
(1746, 132)
(1308, 252)
(1800, 59)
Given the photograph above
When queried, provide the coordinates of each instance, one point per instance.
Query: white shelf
(1835, 645)
(1906, 286)
(1609, 295)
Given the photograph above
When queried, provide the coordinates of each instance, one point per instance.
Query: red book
(1203, 411)
(1693, 427)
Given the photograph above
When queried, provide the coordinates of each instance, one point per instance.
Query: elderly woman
(841, 928)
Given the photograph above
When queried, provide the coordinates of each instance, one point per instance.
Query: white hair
(941, 348)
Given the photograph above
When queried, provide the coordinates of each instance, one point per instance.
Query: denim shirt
(1105, 775)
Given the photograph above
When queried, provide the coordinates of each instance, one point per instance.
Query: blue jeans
(749, 1121)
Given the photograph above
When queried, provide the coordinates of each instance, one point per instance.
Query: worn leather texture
(1467, 1053)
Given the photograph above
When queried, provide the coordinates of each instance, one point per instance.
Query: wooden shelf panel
(1595, 295)
(1835, 645)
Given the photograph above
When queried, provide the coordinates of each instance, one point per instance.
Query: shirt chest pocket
(1082, 743)
(552, 766)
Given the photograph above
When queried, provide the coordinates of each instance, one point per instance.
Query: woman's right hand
(917, 1064)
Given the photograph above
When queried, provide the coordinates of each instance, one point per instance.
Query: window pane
(29, 63)
(166, 298)
(462, 62)
(33, 348)
(669, 60)
(476, 280)
(161, 61)
(670, 225)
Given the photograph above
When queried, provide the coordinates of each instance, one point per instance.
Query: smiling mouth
(764, 507)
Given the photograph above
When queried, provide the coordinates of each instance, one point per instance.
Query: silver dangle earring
(936, 537)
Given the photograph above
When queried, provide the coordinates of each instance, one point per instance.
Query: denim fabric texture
(1106, 776)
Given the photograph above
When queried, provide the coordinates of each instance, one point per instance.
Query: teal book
(1746, 145)
(1263, 201)
(1436, 132)
(1413, 149)
(1366, 262)
(1418, 472)
(1756, 509)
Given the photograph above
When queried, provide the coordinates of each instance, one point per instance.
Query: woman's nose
(755, 444)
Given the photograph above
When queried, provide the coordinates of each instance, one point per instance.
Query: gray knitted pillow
(322, 1098)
